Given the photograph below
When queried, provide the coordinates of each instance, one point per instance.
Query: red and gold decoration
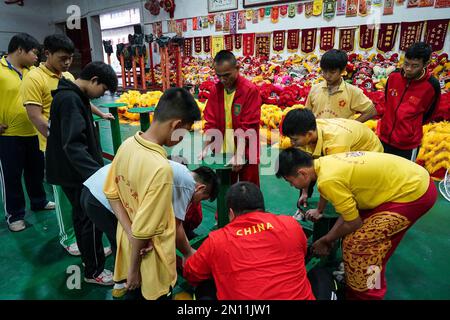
(226, 22)
(283, 11)
(308, 40)
(216, 45)
(293, 40)
(410, 33)
(153, 6)
(435, 33)
(388, 7)
(187, 47)
(262, 44)
(442, 4)
(366, 36)
(198, 44)
(168, 6)
(364, 7)
(352, 8)
(249, 14)
(242, 22)
(278, 40)
(262, 13)
(327, 38)
(386, 36)
(347, 39)
(195, 23)
(248, 40)
(309, 9)
(238, 41)
(228, 39)
(275, 13)
(207, 44)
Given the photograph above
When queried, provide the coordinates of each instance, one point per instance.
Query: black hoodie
(73, 150)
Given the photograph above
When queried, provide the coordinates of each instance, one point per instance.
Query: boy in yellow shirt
(322, 137)
(19, 146)
(378, 197)
(139, 189)
(335, 98)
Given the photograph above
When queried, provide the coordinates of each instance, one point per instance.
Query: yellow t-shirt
(12, 112)
(37, 89)
(364, 180)
(343, 135)
(228, 142)
(344, 103)
(141, 178)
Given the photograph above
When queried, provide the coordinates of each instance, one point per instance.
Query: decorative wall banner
(347, 39)
(308, 9)
(435, 33)
(217, 45)
(219, 22)
(366, 36)
(248, 42)
(300, 8)
(226, 22)
(249, 14)
(274, 14)
(293, 39)
(329, 9)
(387, 35)
(187, 47)
(388, 7)
(291, 11)
(262, 13)
(364, 7)
(426, 3)
(410, 33)
(283, 11)
(211, 19)
(442, 4)
(207, 44)
(255, 17)
(268, 11)
(171, 26)
(157, 28)
(377, 3)
(242, 22)
(185, 25)
(278, 40)
(352, 8)
(228, 39)
(262, 44)
(327, 38)
(205, 22)
(195, 23)
(179, 27)
(233, 22)
(238, 41)
(198, 44)
(341, 6)
(308, 40)
(317, 7)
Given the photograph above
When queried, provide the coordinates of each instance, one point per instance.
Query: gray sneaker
(17, 226)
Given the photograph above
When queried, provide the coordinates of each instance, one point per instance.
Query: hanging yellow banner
(317, 7)
(217, 45)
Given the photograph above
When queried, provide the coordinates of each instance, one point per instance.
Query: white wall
(33, 18)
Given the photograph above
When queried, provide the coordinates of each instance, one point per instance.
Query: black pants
(103, 219)
(89, 238)
(407, 154)
(21, 155)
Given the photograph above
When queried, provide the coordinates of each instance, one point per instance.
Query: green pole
(115, 125)
(144, 116)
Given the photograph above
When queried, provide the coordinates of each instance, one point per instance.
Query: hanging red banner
(242, 22)
(300, 8)
(248, 40)
(226, 23)
(352, 8)
(228, 39)
(410, 33)
(293, 38)
(366, 36)
(278, 40)
(187, 48)
(283, 11)
(309, 9)
(195, 23)
(327, 38)
(262, 13)
(347, 39)
(207, 44)
(184, 25)
(442, 4)
(275, 14)
(197, 44)
(255, 17)
(388, 7)
(262, 44)
(435, 33)
(238, 41)
(309, 40)
(386, 36)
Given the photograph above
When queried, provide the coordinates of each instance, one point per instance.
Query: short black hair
(24, 41)
(177, 103)
(290, 160)
(245, 197)
(298, 122)
(59, 42)
(225, 56)
(334, 59)
(208, 177)
(105, 73)
(419, 50)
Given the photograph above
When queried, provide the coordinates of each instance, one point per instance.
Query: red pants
(367, 250)
(249, 172)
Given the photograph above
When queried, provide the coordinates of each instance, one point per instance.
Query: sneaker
(108, 251)
(73, 249)
(17, 226)
(49, 206)
(119, 290)
(104, 279)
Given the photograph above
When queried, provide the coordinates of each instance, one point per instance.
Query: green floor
(33, 264)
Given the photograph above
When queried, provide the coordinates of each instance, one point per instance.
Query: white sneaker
(17, 226)
(104, 279)
(50, 206)
(73, 249)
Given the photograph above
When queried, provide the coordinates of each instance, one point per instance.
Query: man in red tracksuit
(412, 95)
(234, 103)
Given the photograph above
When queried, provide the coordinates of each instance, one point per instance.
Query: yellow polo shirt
(343, 135)
(344, 103)
(141, 178)
(364, 180)
(37, 89)
(12, 112)
(228, 143)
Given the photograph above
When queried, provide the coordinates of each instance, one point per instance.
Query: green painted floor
(33, 264)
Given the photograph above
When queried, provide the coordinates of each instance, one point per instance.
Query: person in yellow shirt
(37, 98)
(322, 137)
(378, 197)
(19, 146)
(139, 189)
(335, 98)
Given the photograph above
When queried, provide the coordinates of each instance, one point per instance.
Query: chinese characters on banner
(187, 47)
(217, 45)
(347, 39)
(352, 8)
(238, 41)
(207, 44)
(410, 33)
(435, 33)
(366, 36)
(248, 40)
(293, 40)
(262, 44)
(386, 36)
(278, 41)
(308, 40)
(197, 44)
(228, 39)
(327, 38)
